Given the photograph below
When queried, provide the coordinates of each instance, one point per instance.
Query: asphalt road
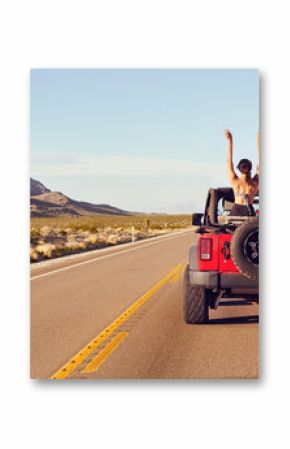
(117, 313)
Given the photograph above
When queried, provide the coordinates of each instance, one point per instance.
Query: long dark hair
(245, 166)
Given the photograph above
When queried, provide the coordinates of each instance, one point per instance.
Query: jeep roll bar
(211, 205)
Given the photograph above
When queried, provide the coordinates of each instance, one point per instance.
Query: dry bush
(33, 255)
(46, 249)
(94, 223)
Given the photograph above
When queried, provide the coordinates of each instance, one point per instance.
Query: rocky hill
(37, 188)
(45, 203)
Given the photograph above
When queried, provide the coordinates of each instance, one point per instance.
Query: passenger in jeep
(245, 186)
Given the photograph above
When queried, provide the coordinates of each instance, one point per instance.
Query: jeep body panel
(220, 258)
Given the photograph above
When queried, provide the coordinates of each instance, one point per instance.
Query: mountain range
(45, 203)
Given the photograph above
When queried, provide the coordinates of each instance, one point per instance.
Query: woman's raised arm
(256, 177)
(230, 164)
(258, 150)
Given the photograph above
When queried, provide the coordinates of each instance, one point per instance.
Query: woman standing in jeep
(245, 186)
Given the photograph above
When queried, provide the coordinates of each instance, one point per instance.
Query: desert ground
(52, 237)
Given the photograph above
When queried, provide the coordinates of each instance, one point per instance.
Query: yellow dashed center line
(99, 359)
(75, 361)
(177, 276)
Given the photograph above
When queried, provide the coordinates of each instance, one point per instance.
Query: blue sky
(142, 139)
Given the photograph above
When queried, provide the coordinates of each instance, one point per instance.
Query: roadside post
(146, 225)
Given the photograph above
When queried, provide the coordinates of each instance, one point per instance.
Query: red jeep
(225, 260)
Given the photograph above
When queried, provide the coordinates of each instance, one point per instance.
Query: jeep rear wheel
(195, 307)
(245, 248)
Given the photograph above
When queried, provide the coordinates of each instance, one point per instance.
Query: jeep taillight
(205, 249)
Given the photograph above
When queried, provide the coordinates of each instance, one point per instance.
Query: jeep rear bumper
(215, 280)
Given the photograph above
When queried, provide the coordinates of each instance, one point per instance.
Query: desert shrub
(34, 234)
(46, 249)
(33, 255)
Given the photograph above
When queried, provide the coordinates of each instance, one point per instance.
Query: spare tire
(245, 248)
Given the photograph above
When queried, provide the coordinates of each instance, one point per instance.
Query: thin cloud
(123, 166)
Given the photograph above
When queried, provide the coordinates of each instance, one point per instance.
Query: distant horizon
(108, 204)
(143, 140)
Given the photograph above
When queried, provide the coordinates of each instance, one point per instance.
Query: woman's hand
(228, 135)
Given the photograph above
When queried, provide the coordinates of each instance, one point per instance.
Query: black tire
(245, 248)
(195, 307)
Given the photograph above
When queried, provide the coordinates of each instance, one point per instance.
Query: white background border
(223, 34)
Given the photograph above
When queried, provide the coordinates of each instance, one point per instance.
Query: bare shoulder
(235, 181)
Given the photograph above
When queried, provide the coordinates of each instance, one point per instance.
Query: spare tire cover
(245, 248)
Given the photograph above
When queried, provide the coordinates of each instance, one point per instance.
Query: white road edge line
(105, 257)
